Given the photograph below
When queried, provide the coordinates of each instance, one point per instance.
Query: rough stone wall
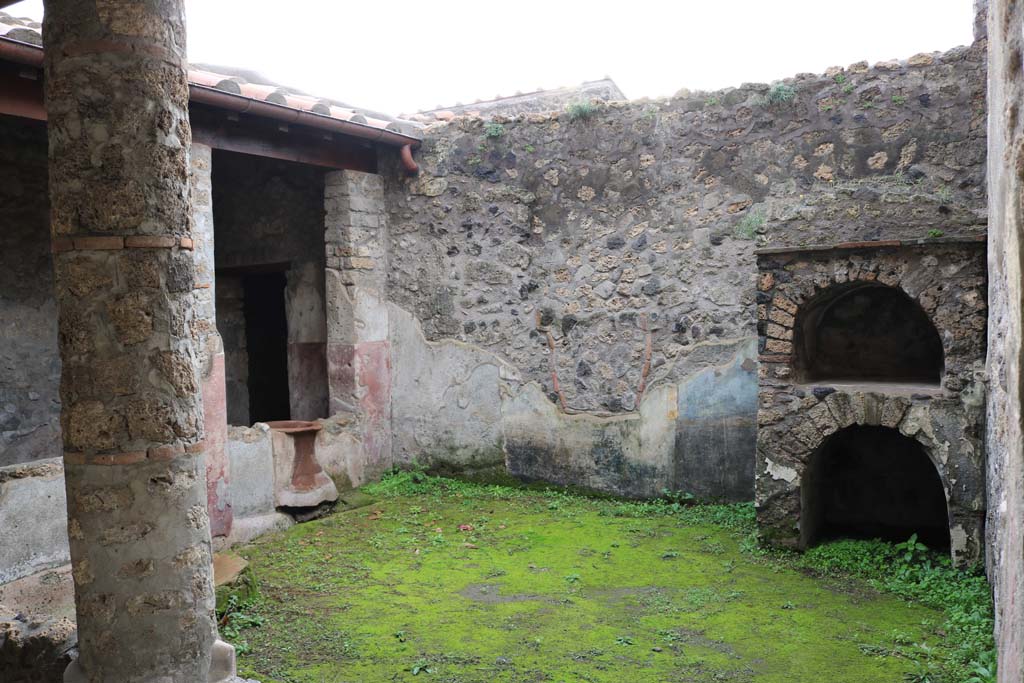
(231, 327)
(210, 349)
(1005, 430)
(29, 362)
(266, 211)
(606, 255)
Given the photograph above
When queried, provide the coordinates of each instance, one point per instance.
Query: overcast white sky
(399, 56)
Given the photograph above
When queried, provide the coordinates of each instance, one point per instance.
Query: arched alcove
(872, 482)
(866, 332)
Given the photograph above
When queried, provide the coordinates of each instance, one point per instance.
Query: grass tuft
(581, 111)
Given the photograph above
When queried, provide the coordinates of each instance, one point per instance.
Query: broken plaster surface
(458, 406)
(33, 517)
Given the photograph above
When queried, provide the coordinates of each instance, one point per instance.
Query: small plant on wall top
(780, 93)
(581, 111)
(494, 130)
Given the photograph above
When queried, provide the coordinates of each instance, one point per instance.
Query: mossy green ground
(547, 587)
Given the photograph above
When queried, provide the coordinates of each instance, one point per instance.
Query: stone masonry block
(781, 302)
(778, 346)
(893, 409)
(807, 433)
(823, 419)
(842, 411)
(781, 317)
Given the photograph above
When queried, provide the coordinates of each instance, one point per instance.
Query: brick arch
(792, 301)
(839, 410)
(796, 414)
(875, 410)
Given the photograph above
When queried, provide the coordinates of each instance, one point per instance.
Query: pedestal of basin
(299, 480)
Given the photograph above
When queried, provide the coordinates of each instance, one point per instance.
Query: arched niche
(872, 482)
(866, 332)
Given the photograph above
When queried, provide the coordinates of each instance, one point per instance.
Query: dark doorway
(872, 482)
(266, 331)
(868, 333)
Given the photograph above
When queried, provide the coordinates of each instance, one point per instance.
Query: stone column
(210, 347)
(132, 415)
(358, 351)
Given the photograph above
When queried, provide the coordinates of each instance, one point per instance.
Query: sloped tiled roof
(22, 29)
(29, 31)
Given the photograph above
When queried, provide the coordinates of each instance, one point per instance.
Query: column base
(222, 662)
(222, 666)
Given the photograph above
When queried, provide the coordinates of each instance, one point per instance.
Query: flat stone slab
(37, 626)
(227, 567)
(352, 499)
(45, 594)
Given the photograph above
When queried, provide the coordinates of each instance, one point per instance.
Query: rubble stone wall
(524, 103)
(599, 258)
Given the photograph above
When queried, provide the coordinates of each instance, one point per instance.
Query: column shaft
(132, 414)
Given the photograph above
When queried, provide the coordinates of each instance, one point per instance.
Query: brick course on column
(125, 279)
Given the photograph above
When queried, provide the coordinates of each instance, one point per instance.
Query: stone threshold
(914, 390)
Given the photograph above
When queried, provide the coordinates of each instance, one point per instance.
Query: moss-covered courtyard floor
(444, 581)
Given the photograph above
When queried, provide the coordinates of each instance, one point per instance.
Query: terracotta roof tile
(21, 29)
(29, 31)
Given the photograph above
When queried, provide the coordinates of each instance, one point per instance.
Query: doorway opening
(266, 332)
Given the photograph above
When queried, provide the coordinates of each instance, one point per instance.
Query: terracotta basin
(295, 426)
(299, 480)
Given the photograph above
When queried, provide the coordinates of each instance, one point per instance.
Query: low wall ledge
(970, 240)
